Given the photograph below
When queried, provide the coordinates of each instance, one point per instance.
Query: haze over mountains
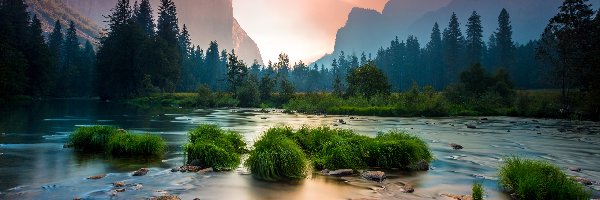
(368, 30)
(206, 20)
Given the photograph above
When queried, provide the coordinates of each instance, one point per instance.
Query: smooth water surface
(34, 164)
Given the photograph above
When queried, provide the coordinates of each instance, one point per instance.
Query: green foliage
(532, 179)
(248, 94)
(368, 81)
(115, 142)
(477, 191)
(275, 157)
(214, 147)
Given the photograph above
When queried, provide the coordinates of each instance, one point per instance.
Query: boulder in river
(471, 126)
(458, 196)
(140, 172)
(408, 188)
(166, 197)
(582, 180)
(119, 184)
(575, 169)
(422, 166)
(456, 146)
(341, 172)
(96, 177)
(484, 119)
(374, 175)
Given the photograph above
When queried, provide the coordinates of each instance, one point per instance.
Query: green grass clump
(532, 179)
(276, 157)
(115, 142)
(477, 191)
(214, 147)
(398, 150)
(136, 145)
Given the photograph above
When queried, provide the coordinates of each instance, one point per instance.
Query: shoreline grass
(533, 179)
(116, 142)
(210, 146)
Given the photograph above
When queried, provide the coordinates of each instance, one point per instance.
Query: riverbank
(530, 103)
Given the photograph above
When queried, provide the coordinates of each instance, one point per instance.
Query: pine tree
(237, 72)
(211, 65)
(453, 46)
(120, 16)
(168, 27)
(474, 39)
(435, 57)
(39, 71)
(144, 17)
(505, 46)
(168, 30)
(188, 81)
(55, 44)
(71, 55)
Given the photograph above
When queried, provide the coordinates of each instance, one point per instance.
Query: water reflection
(34, 165)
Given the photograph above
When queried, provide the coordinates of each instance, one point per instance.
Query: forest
(139, 56)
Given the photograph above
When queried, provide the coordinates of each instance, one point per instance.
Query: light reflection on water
(34, 165)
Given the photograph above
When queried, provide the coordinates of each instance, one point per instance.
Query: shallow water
(33, 164)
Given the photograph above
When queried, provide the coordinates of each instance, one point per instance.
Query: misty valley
(118, 100)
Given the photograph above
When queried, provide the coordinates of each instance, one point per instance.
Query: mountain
(48, 11)
(206, 20)
(368, 30)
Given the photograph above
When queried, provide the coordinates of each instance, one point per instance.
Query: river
(34, 164)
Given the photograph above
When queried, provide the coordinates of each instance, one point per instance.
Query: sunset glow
(303, 29)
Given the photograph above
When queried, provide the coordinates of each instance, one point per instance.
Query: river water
(34, 164)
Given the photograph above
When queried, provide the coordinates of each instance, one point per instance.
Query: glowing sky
(304, 29)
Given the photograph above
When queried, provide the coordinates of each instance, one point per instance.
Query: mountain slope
(48, 11)
(416, 17)
(206, 20)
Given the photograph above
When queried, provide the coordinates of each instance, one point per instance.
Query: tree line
(33, 66)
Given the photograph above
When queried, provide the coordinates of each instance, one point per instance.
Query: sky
(305, 30)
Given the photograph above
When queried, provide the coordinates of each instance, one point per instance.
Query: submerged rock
(374, 175)
(575, 169)
(140, 172)
(341, 121)
(458, 196)
(119, 184)
(408, 188)
(456, 146)
(484, 119)
(341, 172)
(120, 190)
(471, 126)
(96, 177)
(422, 166)
(204, 171)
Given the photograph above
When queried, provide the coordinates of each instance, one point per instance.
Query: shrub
(92, 138)
(398, 150)
(275, 157)
(477, 191)
(214, 147)
(115, 142)
(136, 145)
(532, 179)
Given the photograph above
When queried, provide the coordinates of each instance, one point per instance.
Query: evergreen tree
(453, 47)
(435, 57)
(13, 64)
(188, 81)
(55, 44)
(39, 71)
(211, 65)
(504, 44)
(167, 77)
(120, 15)
(168, 28)
(237, 72)
(474, 39)
(144, 17)
(69, 70)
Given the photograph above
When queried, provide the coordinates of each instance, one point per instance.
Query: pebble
(140, 172)
(456, 146)
(575, 169)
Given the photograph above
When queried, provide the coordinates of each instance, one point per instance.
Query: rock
(575, 169)
(582, 180)
(140, 172)
(120, 190)
(76, 198)
(166, 197)
(458, 196)
(352, 118)
(138, 186)
(422, 166)
(408, 188)
(325, 172)
(484, 119)
(119, 184)
(539, 133)
(68, 145)
(535, 120)
(97, 177)
(177, 169)
(190, 169)
(456, 146)
(374, 175)
(538, 127)
(471, 126)
(335, 125)
(263, 118)
(204, 171)
(196, 198)
(341, 172)
(341, 121)
(508, 131)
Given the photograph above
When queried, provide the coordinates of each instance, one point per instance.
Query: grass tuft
(477, 191)
(116, 142)
(211, 146)
(532, 179)
(276, 157)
